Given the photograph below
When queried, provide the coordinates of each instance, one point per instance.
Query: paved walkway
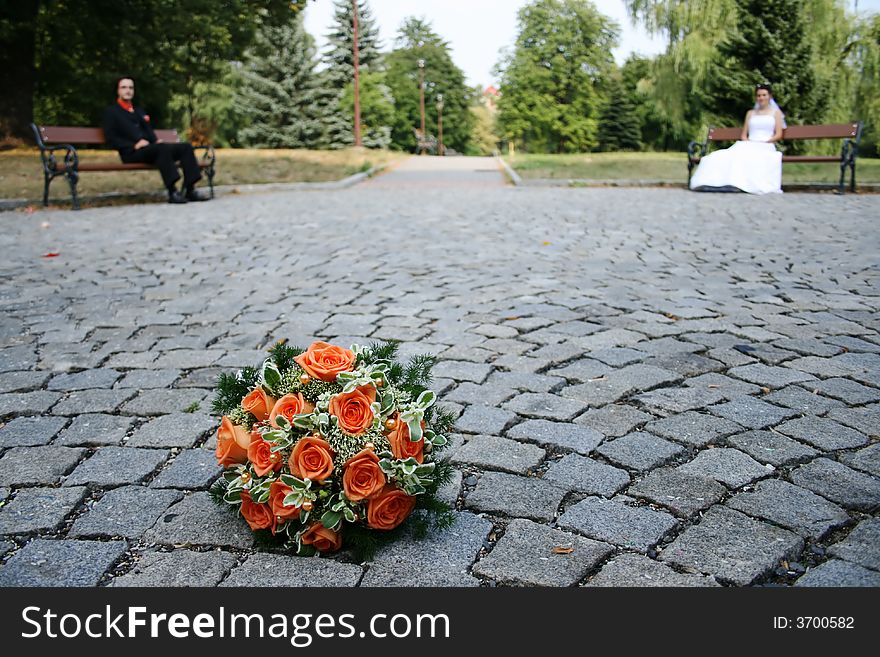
(654, 387)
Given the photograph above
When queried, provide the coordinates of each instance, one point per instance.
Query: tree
(769, 44)
(550, 101)
(417, 40)
(619, 125)
(656, 130)
(277, 95)
(338, 115)
(18, 20)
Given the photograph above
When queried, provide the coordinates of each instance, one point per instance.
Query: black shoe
(176, 197)
(195, 196)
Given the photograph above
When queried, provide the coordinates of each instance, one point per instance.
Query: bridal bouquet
(330, 444)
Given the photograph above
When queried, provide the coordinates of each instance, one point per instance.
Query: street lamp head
(421, 63)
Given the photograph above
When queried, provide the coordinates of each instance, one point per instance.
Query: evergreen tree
(619, 125)
(277, 95)
(770, 44)
(417, 40)
(337, 80)
(550, 101)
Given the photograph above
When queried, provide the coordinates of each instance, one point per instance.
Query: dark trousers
(164, 157)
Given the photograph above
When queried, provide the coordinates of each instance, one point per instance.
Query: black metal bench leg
(211, 180)
(72, 179)
(852, 177)
(841, 187)
(46, 181)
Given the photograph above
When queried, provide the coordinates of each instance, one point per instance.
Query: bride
(752, 164)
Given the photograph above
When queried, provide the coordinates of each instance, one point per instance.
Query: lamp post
(422, 103)
(439, 124)
(357, 87)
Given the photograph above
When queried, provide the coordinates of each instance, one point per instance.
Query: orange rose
(258, 516)
(258, 403)
(401, 446)
(324, 540)
(262, 457)
(324, 361)
(311, 458)
(288, 406)
(277, 493)
(232, 443)
(353, 410)
(363, 478)
(389, 508)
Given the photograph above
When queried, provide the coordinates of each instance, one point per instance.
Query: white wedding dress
(754, 166)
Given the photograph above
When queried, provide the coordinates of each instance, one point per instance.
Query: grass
(663, 167)
(21, 174)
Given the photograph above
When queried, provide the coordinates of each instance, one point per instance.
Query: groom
(127, 129)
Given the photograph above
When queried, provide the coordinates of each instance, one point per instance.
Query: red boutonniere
(147, 118)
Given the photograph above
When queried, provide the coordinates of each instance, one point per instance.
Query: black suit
(123, 129)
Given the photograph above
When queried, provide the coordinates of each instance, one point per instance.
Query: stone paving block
(499, 453)
(618, 356)
(30, 431)
(442, 558)
(205, 377)
(838, 573)
(522, 365)
(188, 359)
(752, 413)
(91, 401)
(17, 358)
(817, 366)
(145, 379)
(95, 429)
(681, 492)
(582, 370)
(614, 420)
(728, 466)
(822, 433)
(123, 512)
(730, 357)
(862, 545)
(632, 570)
(525, 555)
(866, 420)
(39, 509)
(24, 466)
(640, 451)
(770, 377)
(97, 378)
(515, 496)
(610, 338)
(577, 473)
(22, 381)
(27, 403)
(726, 386)
(545, 406)
(866, 460)
(450, 491)
(557, 353)
(196, 520)
(61, 563)
(732, 547)
(192, 469)
(486, 394)
(564, 435)
(686, 364)
(845, 390)
(791, 507)
(525, 381)
(838, 483)
(851, 344)
(695, 429)
(462, 371)
(160, 402)
(174, 430)
(864, 368)
(803, 401)
(633, 527)
(117, 466)
(484, 419)
(177, 568)
(290, 570)
(131, 360)
(770, 447)
(619, 383)
(809, 346)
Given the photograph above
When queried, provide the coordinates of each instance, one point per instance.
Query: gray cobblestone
(837, 573)
(838, 483)
(160, 402)
(638, 570)
(100, 378)
(752, 413)
(862, 545)
(544, 405)
(614, 420)
(729, 466)
(583, 370)
(30, 431)
(584, 475)
(91, 401)
(695, 429)
(484, 419)
(525, 555)
(61, 563)
(486, 394)
(123, 512)
(22, 381)
(845, 390)
(116, 466)
(525, 381)
(822, 433)
(557, 434)
(286, 570)
(499, 453)
(683, 493)
(95, 429)
(177, 568)
(196, 520)
(866, 420)
(866, 460)
(462, 371)
(145, 379)
(192, 469)
(770, 447)
(516, 496)
(23, 466)
(797, 398)
(618, 384)
(38, 509)
(637, 528)
(174, 430)
(732, 547)
(27, 403)
(640, 451)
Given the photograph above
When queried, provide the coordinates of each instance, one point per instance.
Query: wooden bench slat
(827, 131)
(52, 134)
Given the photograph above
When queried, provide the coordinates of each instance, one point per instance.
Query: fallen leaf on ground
(560, 549)
(51, 254)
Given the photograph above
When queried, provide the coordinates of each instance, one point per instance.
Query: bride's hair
(766, 87)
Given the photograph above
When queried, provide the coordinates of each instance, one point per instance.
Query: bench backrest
(52, 134)
(827, 131)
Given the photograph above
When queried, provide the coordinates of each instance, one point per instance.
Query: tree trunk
(17, 74)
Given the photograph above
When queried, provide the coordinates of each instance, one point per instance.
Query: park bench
(58, 138)
(851, 133)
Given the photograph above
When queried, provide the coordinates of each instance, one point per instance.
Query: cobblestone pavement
(655, 387)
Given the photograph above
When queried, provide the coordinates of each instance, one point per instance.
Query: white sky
(477, 29)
